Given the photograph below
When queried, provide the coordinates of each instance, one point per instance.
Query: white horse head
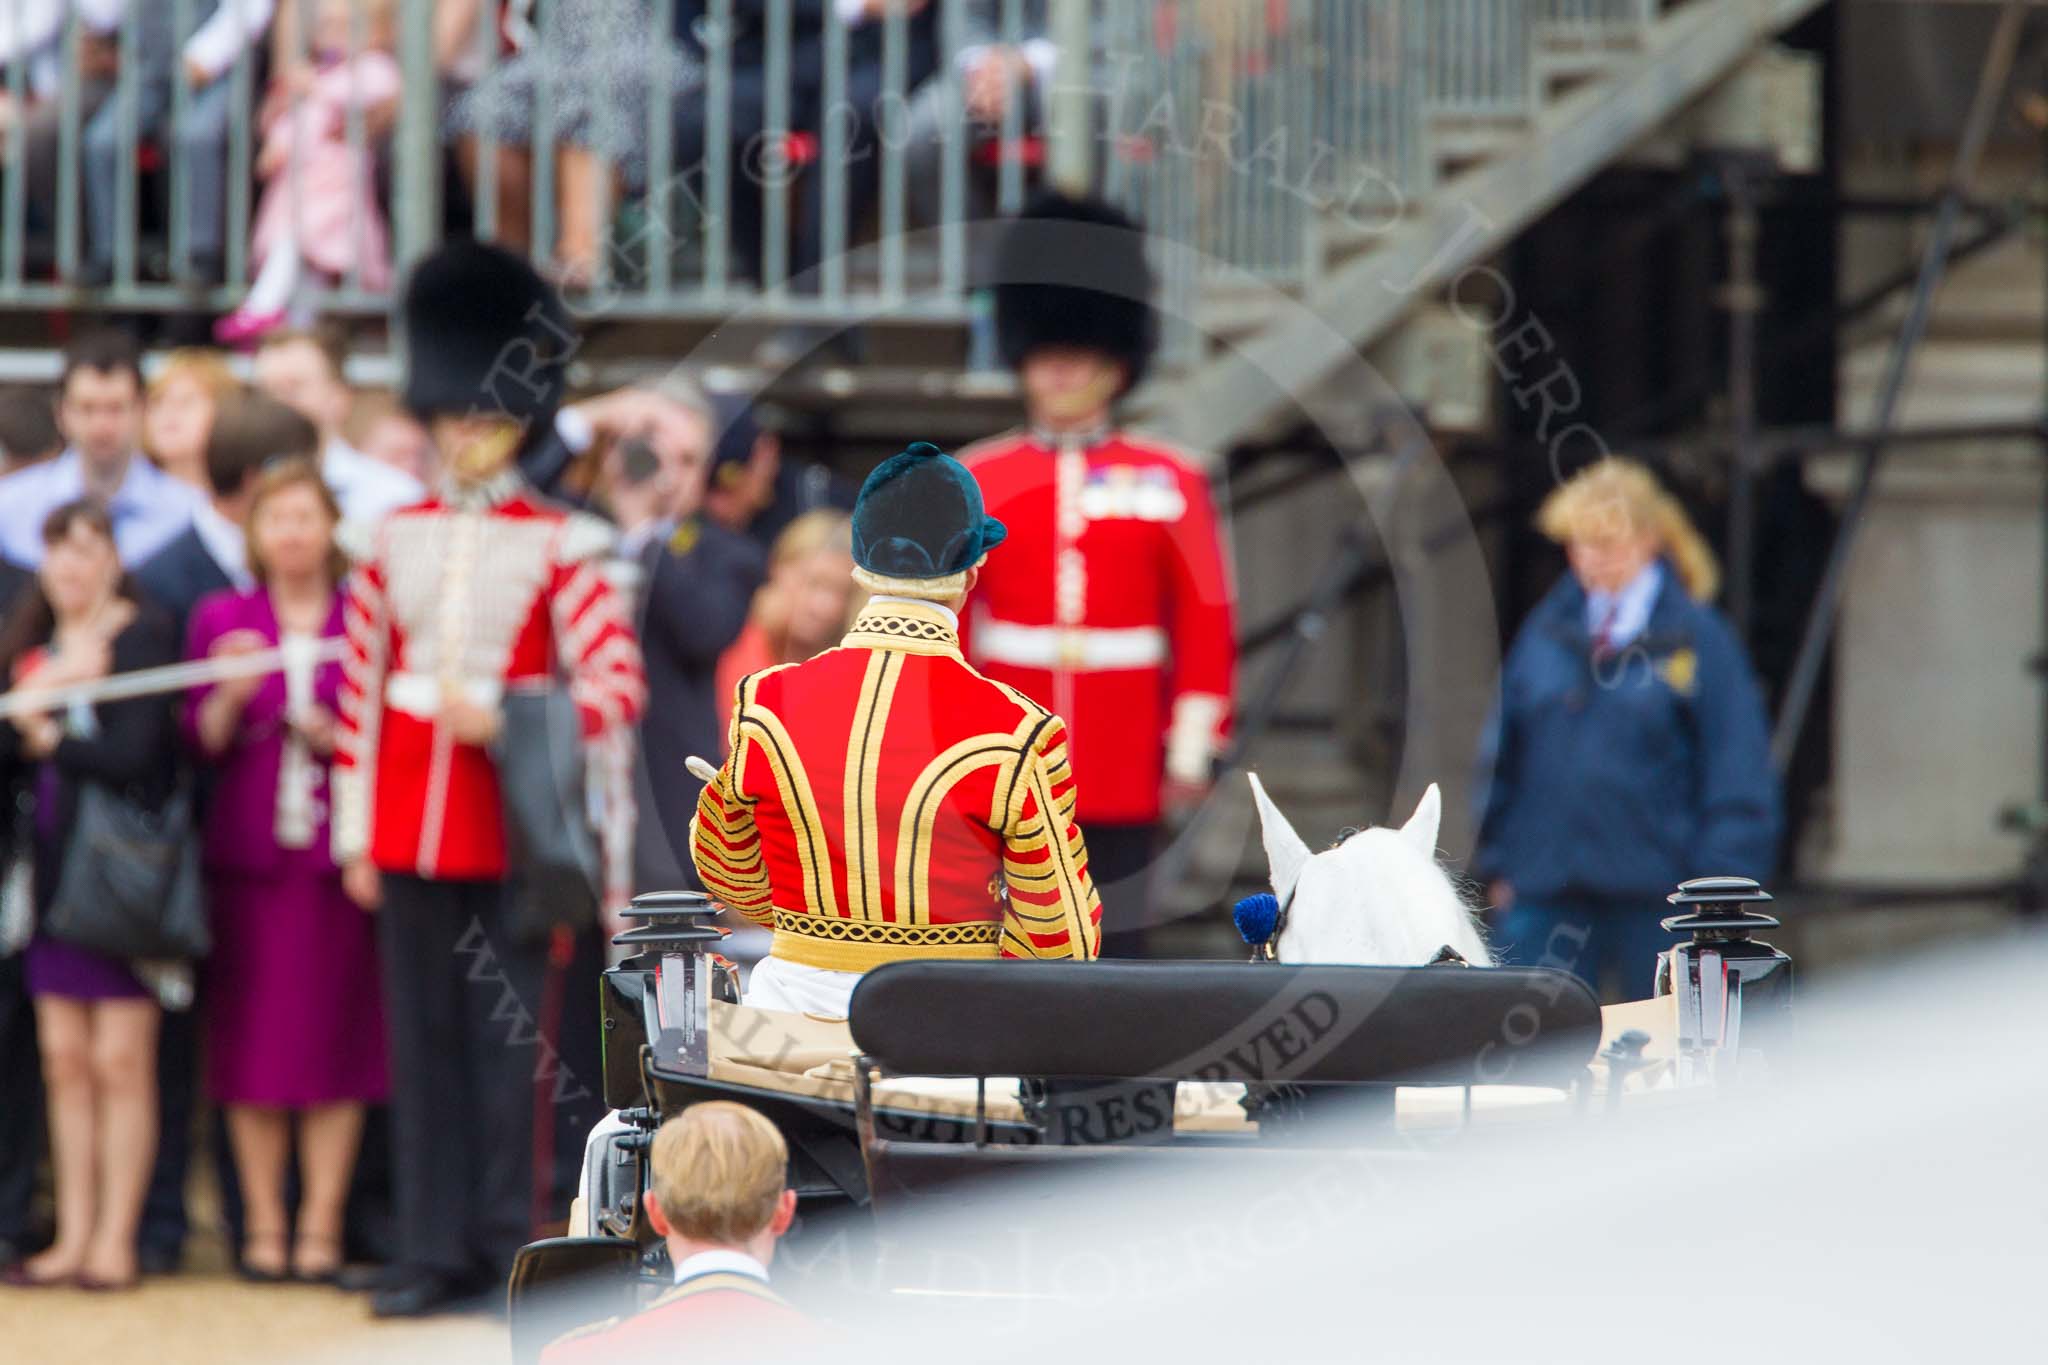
(1376, 899)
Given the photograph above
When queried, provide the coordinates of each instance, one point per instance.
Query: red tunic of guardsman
(1112, 604)
(482, 591)
(478, 591)
(883, 800)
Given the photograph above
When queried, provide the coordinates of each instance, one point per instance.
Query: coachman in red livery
(1112, 604)
(883, 801)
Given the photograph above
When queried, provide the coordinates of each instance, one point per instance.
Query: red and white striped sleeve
(597, 647)
(366, 624)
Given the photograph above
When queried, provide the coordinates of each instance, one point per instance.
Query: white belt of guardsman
(419, 694)
(1073, 648)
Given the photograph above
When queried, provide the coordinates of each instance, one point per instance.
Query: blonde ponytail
(1619, 497)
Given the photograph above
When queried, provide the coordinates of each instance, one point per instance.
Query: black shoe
(159, 1260)
(368, 1279)
(253, 1274)
(419, 1296)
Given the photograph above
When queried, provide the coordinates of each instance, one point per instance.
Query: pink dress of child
(337, 220)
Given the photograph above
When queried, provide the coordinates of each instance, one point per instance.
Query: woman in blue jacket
(1629, 751)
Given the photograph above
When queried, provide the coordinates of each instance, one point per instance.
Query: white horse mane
(1379, 898)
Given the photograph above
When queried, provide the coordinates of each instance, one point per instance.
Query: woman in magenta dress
(295, 1028)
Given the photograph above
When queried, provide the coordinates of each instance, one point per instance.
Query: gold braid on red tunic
(885, 801)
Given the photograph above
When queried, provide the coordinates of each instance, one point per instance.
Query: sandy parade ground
(208, 1317)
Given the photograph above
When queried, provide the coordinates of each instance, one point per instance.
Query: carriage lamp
(675, 928)
(1734, 991)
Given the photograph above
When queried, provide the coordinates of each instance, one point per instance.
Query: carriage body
(1059, 1065)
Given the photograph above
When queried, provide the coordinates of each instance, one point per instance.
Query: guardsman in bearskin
(482, 591)
(1112, 603)
(884, 801)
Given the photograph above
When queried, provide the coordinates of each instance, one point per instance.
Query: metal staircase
(1442, 129)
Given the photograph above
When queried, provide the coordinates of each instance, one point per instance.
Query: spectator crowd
(572, 85)
(188, 516)
(192, 516)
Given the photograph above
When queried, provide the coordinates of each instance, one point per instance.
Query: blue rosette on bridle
(1257, 919)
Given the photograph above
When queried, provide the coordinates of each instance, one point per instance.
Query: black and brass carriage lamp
(675, 928)
(654, 1008)
(1734, 991)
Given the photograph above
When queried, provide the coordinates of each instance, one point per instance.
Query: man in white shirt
(305, 370)
(99, 410)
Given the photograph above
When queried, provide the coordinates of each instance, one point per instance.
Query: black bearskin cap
(1072, 272)
(484, 333)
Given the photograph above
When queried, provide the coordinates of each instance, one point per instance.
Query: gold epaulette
(589, 1329)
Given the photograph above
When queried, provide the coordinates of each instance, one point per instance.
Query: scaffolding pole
(1820, 622)
(1071, 161)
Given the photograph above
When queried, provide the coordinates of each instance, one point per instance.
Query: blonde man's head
(719, 1173)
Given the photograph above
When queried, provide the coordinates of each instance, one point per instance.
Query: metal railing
(797, 169)
(1595, 18)
(1478, 58)
(1598, 21)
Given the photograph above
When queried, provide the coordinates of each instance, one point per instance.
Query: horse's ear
(1286, 854)
(1421, 829)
